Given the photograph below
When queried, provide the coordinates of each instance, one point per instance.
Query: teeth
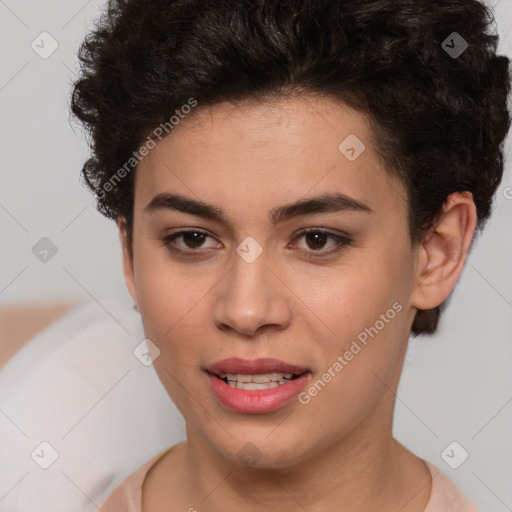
(243, 378)
(252, 385)
(256, 381)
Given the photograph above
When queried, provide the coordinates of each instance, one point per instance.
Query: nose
(252, 299)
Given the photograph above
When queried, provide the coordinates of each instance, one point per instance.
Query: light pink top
(445, 495)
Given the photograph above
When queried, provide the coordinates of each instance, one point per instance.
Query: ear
(128, 269)
(443, 252)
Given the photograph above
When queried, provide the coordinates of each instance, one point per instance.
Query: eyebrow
(325, 203)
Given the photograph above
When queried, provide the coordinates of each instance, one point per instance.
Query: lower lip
(257, 401)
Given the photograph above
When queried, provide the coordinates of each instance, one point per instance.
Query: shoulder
(127, 496)
(445, 495)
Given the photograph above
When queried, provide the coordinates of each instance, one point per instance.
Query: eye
(191, 239)
(316, 240)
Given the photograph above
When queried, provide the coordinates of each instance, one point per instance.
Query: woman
(296, 186)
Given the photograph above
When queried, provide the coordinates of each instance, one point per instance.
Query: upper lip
(254, 366)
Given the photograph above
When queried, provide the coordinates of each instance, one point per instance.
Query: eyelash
(342, 243)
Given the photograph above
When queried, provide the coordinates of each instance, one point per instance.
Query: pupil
(319, 238)
(193, 239)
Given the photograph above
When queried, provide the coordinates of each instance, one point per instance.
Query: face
(324, 286)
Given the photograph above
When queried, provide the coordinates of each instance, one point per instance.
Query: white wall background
(457, 385)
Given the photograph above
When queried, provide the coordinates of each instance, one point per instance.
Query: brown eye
(317, 239)
(193, 239)
(188, 243)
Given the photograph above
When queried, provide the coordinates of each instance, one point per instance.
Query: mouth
(256, 386)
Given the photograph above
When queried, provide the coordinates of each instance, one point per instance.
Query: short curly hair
(438, 118)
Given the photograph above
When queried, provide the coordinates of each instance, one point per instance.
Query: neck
(367, 470)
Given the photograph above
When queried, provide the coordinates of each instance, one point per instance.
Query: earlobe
(127, 260)
(444, 251)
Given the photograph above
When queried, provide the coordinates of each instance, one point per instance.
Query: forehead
(266, 153)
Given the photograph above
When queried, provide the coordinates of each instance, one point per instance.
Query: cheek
(347, 299)
(171, 312)
(364, 306)
(169, 304)
(366, 350)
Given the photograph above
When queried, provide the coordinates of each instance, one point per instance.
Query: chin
(256, 449)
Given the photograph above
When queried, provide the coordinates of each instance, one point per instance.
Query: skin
(337, 451)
